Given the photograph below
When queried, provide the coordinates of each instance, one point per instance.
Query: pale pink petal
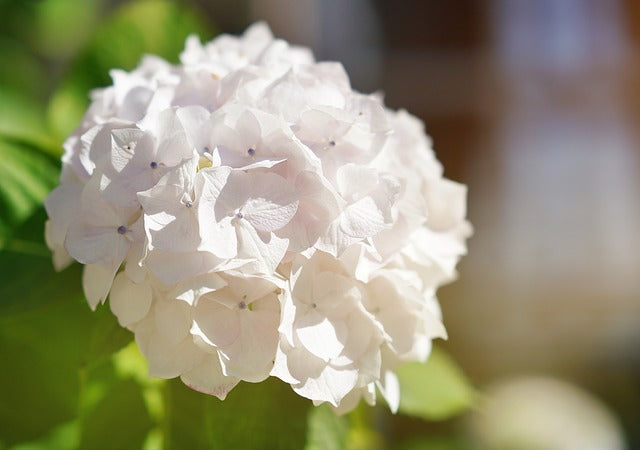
(330, 386)
(96, 282)
(267, 250)
(208, 378)
(220, 324)
(129, 301)
(252, 355)
(390, 389)
(320, 336)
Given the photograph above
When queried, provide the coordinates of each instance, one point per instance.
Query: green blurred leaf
(22, 120)
(363, 429)
(119, 420)
(66, 107)
(62, 437)
(129, 363)
(38, 387)
(365, 439)
(48, 337)
(437, 443)
(326, 430)
(45, 349)
(16, 19)
(435, 390)
(20, 70)
(147, 26)
(53, 34)
(27, 177)
(266, 415)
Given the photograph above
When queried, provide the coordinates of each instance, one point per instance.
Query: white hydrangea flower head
(249, 215)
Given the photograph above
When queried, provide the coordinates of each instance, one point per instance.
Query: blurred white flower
(250, 215)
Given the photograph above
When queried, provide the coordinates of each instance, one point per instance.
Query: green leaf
(435, 390)
(266, 415)
(46, 347)
(27, 177)
(52, 32)
(437, 443)
(66, 107)
(326, 430)
(363, 429)
(119, 420)
(20, 71)
(22, 120)
(38, 387)
(48, 337)
(62, 437)
(147, 26)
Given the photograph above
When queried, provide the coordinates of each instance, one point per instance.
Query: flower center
(153, 165)
(251, 152)
(122, 229)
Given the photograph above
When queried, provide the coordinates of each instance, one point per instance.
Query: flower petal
(320, 336)
(96, 282)
(208, 378)
(129, 301)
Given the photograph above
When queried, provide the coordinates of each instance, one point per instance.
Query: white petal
(362, 219)
(320, 336)
(172, 319)
(272, 202)
(192, 289)
(133, 267)
(267, 250)
(390, 389)
(207, 377)
(252, 355)
(331, 385)
(220, 324)
(192, 119)
(89, 244)
(130, 146)
(280, 368)
(130, 302)
(169, 360)
(62, 205)
(96, 282)
(61, 258)
(218, 238)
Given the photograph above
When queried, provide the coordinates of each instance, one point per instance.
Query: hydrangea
(249, 214)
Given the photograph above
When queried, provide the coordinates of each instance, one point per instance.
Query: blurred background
(534, 104)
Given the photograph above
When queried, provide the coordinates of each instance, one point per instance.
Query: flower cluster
(249, 215)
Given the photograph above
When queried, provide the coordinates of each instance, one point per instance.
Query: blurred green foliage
(435, 390)
(72, 378)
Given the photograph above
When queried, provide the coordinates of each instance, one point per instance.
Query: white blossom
(248, 214)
